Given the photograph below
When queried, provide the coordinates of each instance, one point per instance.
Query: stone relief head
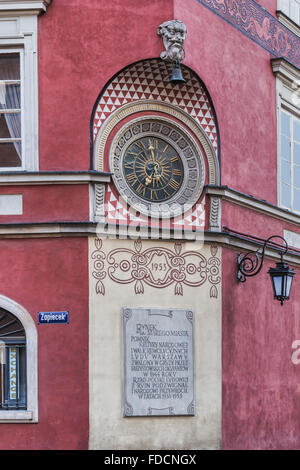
(173, 33)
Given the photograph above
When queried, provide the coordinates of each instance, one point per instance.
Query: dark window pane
(2, 362)
(10, 126)
(22, 377)
(9, 67)
(10, 96)
(12, 362)
(9, 155)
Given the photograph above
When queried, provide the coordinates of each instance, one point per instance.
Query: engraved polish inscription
(158, 362)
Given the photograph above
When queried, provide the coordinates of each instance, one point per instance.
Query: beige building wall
(115, 282)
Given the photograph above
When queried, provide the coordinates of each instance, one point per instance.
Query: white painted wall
(108, 428)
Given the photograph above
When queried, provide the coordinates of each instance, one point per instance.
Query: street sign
(53, 317)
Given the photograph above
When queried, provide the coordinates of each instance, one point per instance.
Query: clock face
(156, 167)
(153, 169)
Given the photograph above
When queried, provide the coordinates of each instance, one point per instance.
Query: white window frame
(30, 415)
(24, 131)
(293, 115)
(18, 33)
(288, 100)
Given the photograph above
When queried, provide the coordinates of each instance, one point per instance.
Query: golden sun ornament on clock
(153, 169)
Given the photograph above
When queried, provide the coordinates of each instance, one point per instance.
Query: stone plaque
(158, 362)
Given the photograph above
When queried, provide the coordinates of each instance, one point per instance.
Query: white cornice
(24, 6)
(86, 229)
(285, 71)
(253, 203)
(290, 24)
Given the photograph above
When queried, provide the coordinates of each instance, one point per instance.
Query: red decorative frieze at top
(259, 25)
(149, 80)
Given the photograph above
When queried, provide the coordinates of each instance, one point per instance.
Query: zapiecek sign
(53, 317)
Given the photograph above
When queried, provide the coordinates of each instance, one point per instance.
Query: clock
(153, 169)
(157, 167)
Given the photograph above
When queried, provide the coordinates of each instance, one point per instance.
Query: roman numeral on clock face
(131, 177)
(174, 184)
(129, 165)
(153, 194)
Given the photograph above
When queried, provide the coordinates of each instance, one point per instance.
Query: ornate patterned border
(157, 267)
(168, 109)
(149, 80)
(257, 24)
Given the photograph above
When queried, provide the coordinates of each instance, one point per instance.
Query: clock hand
(154, 175)
(151, 148)
(148, 179)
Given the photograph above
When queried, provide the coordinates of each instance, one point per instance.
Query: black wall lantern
(281, 276)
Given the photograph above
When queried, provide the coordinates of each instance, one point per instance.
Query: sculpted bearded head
(173, 33)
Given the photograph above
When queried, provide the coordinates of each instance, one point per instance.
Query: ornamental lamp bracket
(251, 263)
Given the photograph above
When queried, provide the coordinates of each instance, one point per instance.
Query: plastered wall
(127, 273)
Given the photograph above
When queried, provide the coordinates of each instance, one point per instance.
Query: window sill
(52, 177)
(16, 416)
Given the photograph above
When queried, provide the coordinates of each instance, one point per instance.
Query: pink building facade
(88, 74)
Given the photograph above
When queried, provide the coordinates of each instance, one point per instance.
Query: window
(10, 110)
(291, 8)
(19, 84)
(12, 362)
(18, 94)
(288, 132)
(18, 364)
(289, 161)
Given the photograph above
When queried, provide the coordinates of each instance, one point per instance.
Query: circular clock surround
(157, 167)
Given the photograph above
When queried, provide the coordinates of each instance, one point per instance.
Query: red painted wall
(82, 44)
(50, 203)
(269, 5)
(238, 75)
(49, 275)
(250, 222)
(261, 394)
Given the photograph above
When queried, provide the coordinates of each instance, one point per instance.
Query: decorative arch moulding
(142, 91)
(260, 26)
(149, 80)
